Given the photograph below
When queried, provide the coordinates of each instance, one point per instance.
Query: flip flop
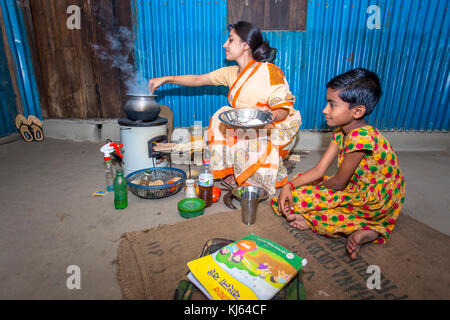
(36, 126)
(24, 128)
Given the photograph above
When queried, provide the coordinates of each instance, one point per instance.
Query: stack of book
(252, 268)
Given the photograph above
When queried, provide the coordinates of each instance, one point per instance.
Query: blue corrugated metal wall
(182, 37)
(18, 44)
(7, 97)
(409, 53)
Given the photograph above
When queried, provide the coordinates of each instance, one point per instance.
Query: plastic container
(205, 184)
(107, 149)
(156, 191)
(191, 207)
(190, 189)
(109, 176)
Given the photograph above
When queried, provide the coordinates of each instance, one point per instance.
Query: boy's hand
(286, 195)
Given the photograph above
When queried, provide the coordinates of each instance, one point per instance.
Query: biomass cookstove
(139, 132)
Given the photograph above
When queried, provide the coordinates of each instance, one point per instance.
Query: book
(252, 268)
(186, 290)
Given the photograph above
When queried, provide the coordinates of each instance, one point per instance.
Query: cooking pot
(141, 107)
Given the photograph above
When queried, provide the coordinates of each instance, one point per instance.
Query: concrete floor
(50, 220)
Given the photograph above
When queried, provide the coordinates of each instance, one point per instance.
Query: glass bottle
(146, 178)
(120, 191)
(190, 189)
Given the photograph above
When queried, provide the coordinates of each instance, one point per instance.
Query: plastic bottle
(120, 191)
(109, 176)
(190, 189)
(146, 178)
(205, 184)
(107, 149)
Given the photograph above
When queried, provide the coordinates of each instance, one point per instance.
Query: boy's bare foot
(297, 221)
(356, 239)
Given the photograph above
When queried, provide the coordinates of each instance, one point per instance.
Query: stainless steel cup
(249, 206)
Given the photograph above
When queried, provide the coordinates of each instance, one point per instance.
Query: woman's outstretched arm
(189, 80)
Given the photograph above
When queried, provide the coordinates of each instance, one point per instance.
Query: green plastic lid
(191, 205)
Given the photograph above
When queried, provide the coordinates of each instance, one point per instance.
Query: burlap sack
(413, 265)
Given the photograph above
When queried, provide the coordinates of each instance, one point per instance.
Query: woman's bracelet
(292, 185)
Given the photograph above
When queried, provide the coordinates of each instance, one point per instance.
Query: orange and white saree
(255, 157)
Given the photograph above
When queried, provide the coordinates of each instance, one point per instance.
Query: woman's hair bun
(248, 32)
(264, 52)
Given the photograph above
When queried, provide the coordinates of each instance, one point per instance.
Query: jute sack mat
(413, 265)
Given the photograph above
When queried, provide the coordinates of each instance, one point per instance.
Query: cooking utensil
(191, 207)
(141, 107)
(228, 200)
(238, 191)
(261, 192)
(249, 206)
(227, 186)
(156, 192)
(246, 118)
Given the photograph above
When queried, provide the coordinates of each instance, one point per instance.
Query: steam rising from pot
(117, 53)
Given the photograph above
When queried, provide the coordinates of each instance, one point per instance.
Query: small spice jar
(190, 189)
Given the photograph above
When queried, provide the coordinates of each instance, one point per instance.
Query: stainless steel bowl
(246, 118)
(142, 107)
(262, 193)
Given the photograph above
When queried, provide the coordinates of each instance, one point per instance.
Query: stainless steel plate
(246, 118)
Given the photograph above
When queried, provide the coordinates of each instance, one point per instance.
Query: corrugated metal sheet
(182, 37)
(410, 53)
(18, 44)
(7, 97)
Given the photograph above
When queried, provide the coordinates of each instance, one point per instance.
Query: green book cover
(247, 269)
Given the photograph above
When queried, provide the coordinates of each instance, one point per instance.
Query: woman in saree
(248, 158)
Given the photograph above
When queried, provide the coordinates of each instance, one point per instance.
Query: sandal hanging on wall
(36, 126)
(24, 129)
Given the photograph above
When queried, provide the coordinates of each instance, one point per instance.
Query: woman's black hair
(251, 34)
(358, 87)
